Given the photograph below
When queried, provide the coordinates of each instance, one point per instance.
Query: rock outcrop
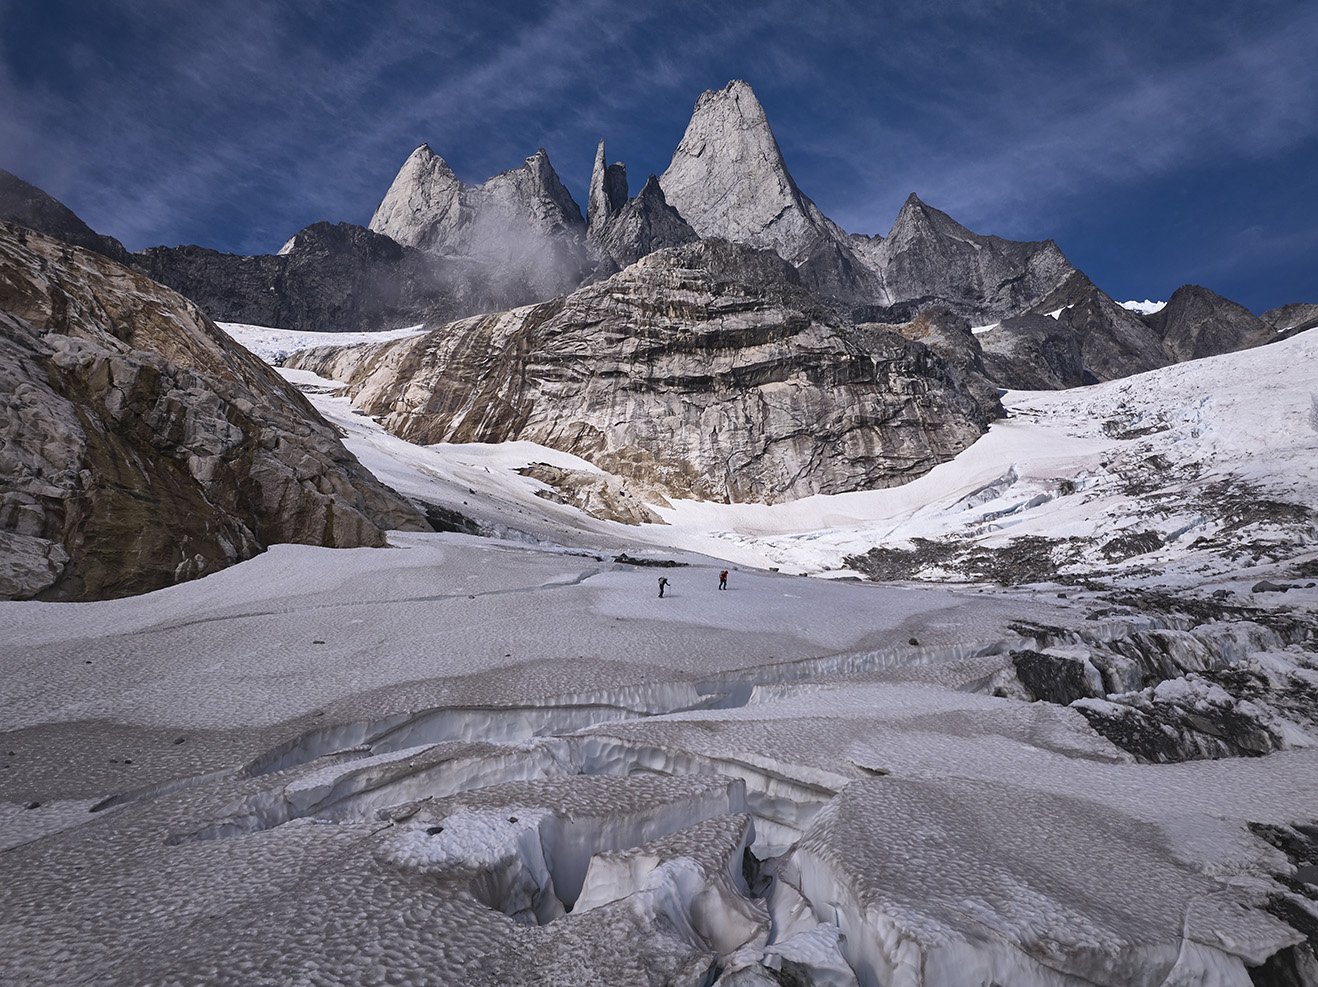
(928, 258)
(27, 205)
(728, 179)
(638, 227)
(608, 190)
(950, 336)
(1040, 350)
(142, 447)
(1033, 352)
(1114, 342)
(522, 225)
(704, 371)
(600, 495)
(1290, 319)
(1196, 323)
(326, 278)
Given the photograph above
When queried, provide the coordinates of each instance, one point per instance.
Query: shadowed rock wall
(141, 446)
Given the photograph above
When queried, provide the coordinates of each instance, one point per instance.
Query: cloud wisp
(234, 125)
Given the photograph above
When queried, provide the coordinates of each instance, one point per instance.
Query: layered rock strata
(142, 447)
(950, 336)
(705, 371)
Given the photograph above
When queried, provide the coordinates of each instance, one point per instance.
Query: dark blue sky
(1159, 142)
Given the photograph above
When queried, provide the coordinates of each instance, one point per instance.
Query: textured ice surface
(992, 883)
(503, 760)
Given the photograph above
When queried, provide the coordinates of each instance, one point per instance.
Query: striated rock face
(1196, 323)
(728, 179)
(705, 371)
(949, 335)
(142, 447)
(522, 225)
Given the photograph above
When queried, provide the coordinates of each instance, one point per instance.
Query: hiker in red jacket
(723, 579)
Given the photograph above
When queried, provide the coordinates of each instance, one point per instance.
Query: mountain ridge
(451, 250)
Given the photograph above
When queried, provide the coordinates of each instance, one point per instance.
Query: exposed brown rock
(705, 371)
(140, 446)
(597, 494)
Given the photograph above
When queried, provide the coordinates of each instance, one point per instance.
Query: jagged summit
(608, 189)
(523, 222)
(928, 257)
(1197, 322)
(916, 216)
(422, 203)
(640, 226)
(728, 179)
(428, 207)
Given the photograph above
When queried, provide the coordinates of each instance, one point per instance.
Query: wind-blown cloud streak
(234, 124)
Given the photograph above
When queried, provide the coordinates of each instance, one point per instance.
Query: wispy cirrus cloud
(1028, 138)
(234, 124)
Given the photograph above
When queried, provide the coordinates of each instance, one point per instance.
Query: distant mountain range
(438, 250)
(715, 336)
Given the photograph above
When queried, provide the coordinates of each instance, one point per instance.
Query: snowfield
(1066, 737)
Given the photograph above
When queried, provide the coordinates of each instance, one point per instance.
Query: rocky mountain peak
(639, 227)
(728, 178)
(608, 189)
(703, 371)
(916, 219)
(928, 257)
(422, 202)
(1197, 322)
(522, 224)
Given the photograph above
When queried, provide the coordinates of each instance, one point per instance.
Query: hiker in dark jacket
(663, 581)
